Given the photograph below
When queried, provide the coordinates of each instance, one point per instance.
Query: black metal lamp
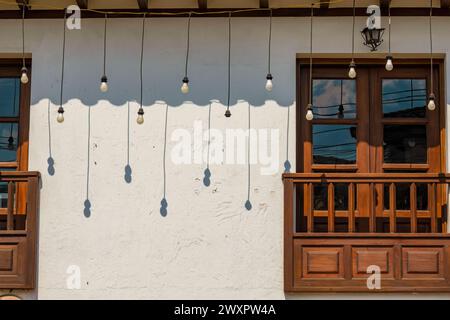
(373, 37)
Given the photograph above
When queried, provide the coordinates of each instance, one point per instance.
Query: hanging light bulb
(140, 118)
(60, 117)
(185, 86)
(431, 102)
(389, 63)
(24, 77)
(309, 113)
(104, 84)
(269, 83)
(352, 71)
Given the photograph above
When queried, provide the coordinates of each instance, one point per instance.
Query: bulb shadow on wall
(50, 160)
(128, 171)
(87, 203)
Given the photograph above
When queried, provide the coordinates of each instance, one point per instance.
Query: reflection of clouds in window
(330, 94)
(405, 98)
(334, 144)
(9, 97)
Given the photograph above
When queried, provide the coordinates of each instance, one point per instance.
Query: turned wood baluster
(413, 207)
(373, 205)
(330, 207)
(392, 208)
(310, 208)
(10, 216)
(432, 206)
(351, 207)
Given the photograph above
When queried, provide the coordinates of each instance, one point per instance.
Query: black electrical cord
(227, 112)
(61, 93)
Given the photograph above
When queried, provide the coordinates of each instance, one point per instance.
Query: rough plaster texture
(208, 245)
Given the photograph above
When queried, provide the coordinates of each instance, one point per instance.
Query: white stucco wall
(208, 245)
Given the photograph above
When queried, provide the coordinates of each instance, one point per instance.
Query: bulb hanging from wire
(269, 83)
(352, 70)
(269, 78)
(60, 117)
(389, 64)
(185, 86)
(140, 117)
(431, 98)
(104, 84)
(431, 102)
(24, 77)
(309, 113)
(104, 79)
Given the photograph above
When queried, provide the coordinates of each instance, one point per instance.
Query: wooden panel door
(376, 123)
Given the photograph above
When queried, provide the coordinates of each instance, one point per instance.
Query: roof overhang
(36, 9)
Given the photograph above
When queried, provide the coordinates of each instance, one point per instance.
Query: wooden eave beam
(324, 4)
(203, 4)
(20, 3)
(143, 4)
(217, 13)
(384, 4)
(445, 4)
(264, 4)
(83, 4)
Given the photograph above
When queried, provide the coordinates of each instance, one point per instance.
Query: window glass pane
(334, 144)
(405, 144)
(8, 141)
(9, 97)
(404, 98)
(334, 98)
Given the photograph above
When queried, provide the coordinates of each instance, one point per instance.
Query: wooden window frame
(10, 66)
(335, 262)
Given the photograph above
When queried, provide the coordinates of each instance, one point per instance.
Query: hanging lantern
(373, 37)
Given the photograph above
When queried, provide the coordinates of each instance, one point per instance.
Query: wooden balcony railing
(19, 207)
(339, 224)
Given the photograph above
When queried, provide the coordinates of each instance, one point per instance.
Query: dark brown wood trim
(203, 4)
(221, 12)
(83, 4)
(143, 4)
(264, 3)
(445, 4)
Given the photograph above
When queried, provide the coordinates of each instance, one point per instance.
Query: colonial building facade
(224, 149)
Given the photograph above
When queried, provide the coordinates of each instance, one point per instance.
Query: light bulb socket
(24, 70)
(269, 76)
(389, 57)
(104, 79)
(60, 110)
(141, 112)
(228, 113)
(432, 96)
(309, 107)
(352, 64)
(185, 80)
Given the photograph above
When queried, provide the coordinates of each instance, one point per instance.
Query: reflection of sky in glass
(9, 97)
(329, 94)
(8, 141)
(334, 144)
(404, 97)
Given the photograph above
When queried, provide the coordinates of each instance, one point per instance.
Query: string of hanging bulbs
(185, 81)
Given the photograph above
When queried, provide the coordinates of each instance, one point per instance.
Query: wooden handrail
(367, 189)
(368, 177)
